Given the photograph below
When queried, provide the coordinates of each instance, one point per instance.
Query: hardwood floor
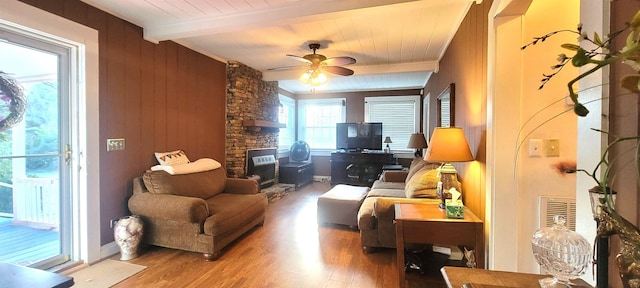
(290, 250)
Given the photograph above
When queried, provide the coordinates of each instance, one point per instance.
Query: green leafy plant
(592, 60)
(595, 58)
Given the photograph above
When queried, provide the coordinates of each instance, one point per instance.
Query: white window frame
(399, 143)
(302, 104)
(287, 104)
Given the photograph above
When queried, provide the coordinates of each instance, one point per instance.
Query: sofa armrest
(242, 186)
(394, 176)
(169, 207)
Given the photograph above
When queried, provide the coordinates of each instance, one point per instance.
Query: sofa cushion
(423, 184)
(202, 185)
(230, 211)
(379, 192)
(379, 184)
(419, 163)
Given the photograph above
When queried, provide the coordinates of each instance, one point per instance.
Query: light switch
(115, 144)
(535, 147)
(552, 147)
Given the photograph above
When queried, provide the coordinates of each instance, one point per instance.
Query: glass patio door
(35, 206)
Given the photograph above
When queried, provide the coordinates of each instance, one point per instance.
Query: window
(400, 116)
(286, 115)
(317, 120)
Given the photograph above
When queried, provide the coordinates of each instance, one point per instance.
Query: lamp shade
(448, 144)
(387, 140)
(417, 141)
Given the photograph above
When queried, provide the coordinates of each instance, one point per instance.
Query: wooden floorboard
(290, 250)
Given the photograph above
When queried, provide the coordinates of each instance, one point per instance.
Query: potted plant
(594, 59)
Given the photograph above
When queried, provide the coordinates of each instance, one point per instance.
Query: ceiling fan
(317, 63)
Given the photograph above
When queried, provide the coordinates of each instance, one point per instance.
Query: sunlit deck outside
(22, 245)
(30, 233)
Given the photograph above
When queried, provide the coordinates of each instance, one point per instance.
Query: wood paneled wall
(159, 97)
(624, 116)
(465, 64)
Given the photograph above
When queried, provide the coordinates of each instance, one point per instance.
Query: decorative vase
(628, 258)
(128, 232)
(560, 252)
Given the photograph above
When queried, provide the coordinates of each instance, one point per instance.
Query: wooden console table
(419, 223)
(457, 277)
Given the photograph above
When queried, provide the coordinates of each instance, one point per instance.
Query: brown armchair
(200, 212)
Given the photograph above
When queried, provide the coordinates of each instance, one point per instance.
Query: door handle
(67, 154)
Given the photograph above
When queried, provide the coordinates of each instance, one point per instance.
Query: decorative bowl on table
(562, 253)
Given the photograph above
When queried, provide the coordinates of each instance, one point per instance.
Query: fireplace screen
(262, 162)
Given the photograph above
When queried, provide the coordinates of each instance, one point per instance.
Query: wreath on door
(12, 102)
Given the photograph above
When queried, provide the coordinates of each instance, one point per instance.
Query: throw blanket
(200, 165)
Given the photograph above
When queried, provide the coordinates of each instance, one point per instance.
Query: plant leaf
(631, 82)
(635, 22)
(580, 59)
(596, 39)
(572, 47)
(580, 110)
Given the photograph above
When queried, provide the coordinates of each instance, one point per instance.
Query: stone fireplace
(252, 116)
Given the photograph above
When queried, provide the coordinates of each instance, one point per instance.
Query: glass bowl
(560, 252)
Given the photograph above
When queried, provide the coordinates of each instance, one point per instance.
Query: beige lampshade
(387, 140)
(417, 141)
(448, 144)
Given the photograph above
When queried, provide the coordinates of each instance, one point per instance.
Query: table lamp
(387, 141)
(417, 142)
(447, 144)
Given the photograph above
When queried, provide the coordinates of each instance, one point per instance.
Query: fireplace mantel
(258, 125)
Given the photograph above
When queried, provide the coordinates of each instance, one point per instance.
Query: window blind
(399, 116)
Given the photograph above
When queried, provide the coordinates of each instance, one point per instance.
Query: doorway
(35, 193)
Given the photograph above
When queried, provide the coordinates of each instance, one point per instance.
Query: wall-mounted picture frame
(446, 106)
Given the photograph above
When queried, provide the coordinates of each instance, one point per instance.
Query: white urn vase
(128, 234)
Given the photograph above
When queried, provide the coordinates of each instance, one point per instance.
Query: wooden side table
(456, 277)
(419, 223)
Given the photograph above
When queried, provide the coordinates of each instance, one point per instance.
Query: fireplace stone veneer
(249, 98)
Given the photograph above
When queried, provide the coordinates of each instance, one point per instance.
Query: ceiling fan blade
(302, 59)
(339, 70)
(339, 61)
(288, 68)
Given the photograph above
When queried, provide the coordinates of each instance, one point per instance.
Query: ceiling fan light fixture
(306, 76)
(318, 78)
(313, 77)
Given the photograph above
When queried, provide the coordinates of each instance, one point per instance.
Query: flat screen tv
(359, 136)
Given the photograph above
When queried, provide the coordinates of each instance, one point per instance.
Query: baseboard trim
(109, 250)
(319, 178)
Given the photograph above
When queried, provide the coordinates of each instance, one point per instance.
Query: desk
(455, 277)
(18, 276)
(426, 224)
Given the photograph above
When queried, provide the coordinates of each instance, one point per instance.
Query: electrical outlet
(552, 147)
(115, 144)
(112, 222)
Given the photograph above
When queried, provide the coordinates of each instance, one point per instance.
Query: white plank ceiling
(397, 43)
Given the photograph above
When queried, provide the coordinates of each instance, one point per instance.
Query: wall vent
(551, 206)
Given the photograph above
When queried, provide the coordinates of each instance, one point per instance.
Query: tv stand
(298, 173)
(357, 168)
